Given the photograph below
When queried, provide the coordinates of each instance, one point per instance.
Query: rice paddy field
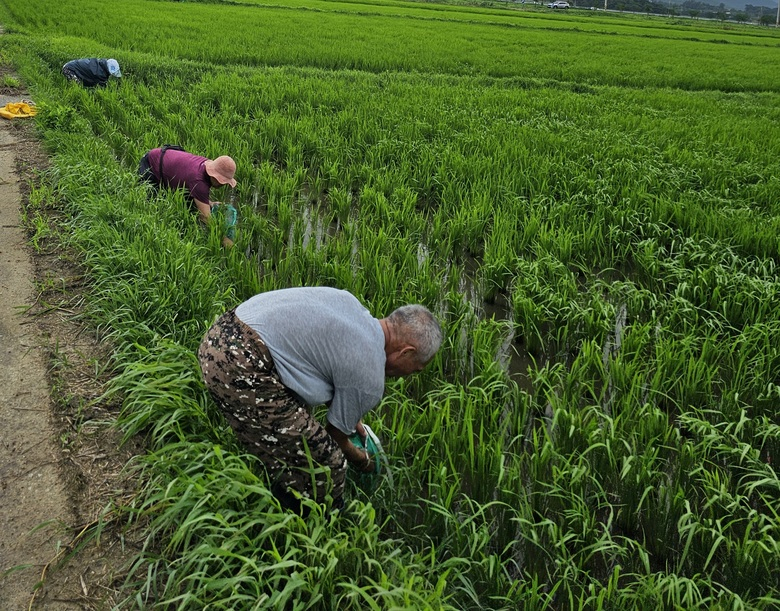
(590, 202)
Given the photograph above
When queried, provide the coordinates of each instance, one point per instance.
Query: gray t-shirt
(327, 348)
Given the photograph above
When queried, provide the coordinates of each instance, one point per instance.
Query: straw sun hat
(223, 169)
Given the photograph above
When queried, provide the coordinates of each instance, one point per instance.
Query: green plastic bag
(230, 218)
(374, 447)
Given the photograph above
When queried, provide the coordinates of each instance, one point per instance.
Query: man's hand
(359, 458)
(367, 465)
(361, 431)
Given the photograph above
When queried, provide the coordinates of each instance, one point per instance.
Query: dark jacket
(91, 71)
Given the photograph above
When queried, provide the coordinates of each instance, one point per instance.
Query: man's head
(412, 338)
(222, 169)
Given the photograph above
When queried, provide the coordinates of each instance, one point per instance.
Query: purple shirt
(182, 170)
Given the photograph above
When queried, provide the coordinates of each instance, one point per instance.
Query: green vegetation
(593, 212)
(585, 48)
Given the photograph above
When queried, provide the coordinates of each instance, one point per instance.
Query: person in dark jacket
(91, 71)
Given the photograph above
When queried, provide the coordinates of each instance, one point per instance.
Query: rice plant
(599, 237)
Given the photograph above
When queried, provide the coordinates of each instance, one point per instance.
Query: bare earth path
(60, 462)
(31, 487)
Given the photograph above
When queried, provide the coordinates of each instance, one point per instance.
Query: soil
(61, 462)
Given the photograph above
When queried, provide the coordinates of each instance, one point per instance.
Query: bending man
(91, 71)
(271, 359)
(173, 168)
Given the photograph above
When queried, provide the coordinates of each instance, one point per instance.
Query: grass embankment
(626, 236)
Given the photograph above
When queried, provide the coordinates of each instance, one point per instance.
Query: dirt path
(33, 502)
(60, 464)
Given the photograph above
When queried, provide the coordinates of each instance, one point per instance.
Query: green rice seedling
(497, 267)
(237, 554)
(539, 309)
(685, 375)
(150, 405)
(629, 233)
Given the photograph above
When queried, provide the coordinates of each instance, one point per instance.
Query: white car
(558, 5)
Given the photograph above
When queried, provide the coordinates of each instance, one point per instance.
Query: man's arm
(360, 459)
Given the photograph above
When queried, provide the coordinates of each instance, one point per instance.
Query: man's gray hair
(419, 327)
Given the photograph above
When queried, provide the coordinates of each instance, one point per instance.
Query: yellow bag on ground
(17, 110)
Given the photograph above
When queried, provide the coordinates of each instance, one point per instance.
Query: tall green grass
(622, 240)
(341, 36)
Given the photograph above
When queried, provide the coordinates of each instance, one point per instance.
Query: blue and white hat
(113, 68)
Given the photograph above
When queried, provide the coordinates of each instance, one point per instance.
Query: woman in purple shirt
(173, 168)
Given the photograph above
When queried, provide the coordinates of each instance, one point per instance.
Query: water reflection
(514, 361)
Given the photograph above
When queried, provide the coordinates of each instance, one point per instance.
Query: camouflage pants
(70, 75)
(269, 421)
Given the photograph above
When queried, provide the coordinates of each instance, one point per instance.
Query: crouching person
(91, 71)
(267, 362)
(171, 167)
